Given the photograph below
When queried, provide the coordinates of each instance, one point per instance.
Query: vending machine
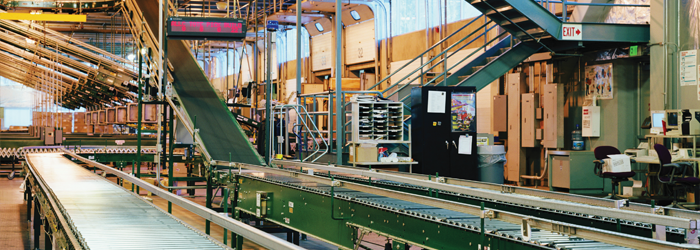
(443, 128)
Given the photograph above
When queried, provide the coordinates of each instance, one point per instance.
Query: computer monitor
(657, 119)
(672, 121)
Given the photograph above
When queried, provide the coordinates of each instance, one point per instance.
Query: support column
(138, 123)
(339, 114)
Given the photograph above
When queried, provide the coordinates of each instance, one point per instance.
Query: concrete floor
(16, 232)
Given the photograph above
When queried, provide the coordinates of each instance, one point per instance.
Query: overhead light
(144, 50)
(221, 5)
(30, 41)
(35, 12)
(131, 57)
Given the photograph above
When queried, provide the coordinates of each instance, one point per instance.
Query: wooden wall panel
(360, 44)
(408, 46)
(452, 27)
(321, 52)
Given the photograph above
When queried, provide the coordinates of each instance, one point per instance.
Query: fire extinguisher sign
(571, 31)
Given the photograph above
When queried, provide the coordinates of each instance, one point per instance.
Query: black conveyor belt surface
(220, 132)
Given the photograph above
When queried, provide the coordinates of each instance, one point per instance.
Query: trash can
(491, 159)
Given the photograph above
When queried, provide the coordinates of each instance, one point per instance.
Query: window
(355, 15)
(319, 27)
(412, 15)
(18, 117)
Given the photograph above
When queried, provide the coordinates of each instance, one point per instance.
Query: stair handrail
(465, 58)
(446, 71)
(437, 56)
(425, 52)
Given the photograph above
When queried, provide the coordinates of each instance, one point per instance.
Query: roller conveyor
(542, 238)
(108, 216)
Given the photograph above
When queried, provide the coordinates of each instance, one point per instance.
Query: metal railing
(309, 129)
(547, 4)
(442, 54)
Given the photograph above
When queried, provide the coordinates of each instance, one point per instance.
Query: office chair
(602, 153)
(675, 175)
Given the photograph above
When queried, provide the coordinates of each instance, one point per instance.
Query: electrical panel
(500, 113)
(590, 126)
(553, 98)
(515, 155)
(530, 102)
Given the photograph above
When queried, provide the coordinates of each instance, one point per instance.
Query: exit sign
(570, 31)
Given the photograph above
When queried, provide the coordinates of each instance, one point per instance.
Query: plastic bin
(491, 160)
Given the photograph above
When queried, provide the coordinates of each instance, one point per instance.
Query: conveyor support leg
(29, 198)
(37, 225)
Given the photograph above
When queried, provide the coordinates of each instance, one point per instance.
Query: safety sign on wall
(571, 31)
(688, 68)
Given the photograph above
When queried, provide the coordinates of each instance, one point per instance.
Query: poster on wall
(599, 81)
(463, 112)
(688, 68)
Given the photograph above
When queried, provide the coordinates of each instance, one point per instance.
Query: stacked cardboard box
(79, 123)
(67, 122)
(108, 129)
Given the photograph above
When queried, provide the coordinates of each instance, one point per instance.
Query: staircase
(527, 27)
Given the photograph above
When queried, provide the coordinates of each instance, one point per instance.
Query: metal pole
(138, 123)
(268, 103)
(563, 11)
(299, 117)
(171, 172)
(338, 84)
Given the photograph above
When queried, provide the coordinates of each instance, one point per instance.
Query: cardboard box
(364, 154)
(309, 88)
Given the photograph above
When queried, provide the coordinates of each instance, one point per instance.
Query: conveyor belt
(513, 231)
(110, 217)
(220, 132)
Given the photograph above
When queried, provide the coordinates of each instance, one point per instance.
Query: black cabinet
(439, 116)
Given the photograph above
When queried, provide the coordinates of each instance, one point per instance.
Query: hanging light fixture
(222, 5)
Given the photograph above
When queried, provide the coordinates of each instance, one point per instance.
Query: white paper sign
(571, 32)
(436, 101)
(688, 68)
(618, 163)
(465, 145)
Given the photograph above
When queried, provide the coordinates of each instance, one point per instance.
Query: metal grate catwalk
(110, 217)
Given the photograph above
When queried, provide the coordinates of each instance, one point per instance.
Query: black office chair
(602, 153)
(679, 175)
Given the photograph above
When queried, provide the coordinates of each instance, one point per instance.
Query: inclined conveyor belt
(109, 216)
(221, 134)
(542, 237)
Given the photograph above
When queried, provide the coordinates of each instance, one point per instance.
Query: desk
(653, 186)
(573, 170)
(654, 138)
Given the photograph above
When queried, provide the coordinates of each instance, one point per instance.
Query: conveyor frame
(261, 238)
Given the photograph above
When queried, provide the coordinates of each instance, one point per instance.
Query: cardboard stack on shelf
(79, 123)
(67, 122)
